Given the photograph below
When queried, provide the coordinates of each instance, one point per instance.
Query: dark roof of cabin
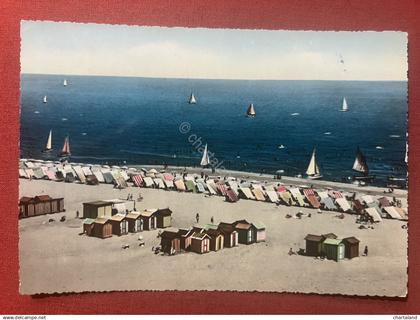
(351, 240)
(313, 237)
(99, 203)
(43, 197)
(329, 236)
(25, 199)
(164, 212)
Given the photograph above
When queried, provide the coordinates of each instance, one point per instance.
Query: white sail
(205, 160)
(192, 99)
(251, 110)
(360, 164)
(45, 99)
(49, 141)
(345, 107)
(313, 168)
(65, 82)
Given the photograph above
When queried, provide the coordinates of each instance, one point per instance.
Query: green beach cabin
(334, 249)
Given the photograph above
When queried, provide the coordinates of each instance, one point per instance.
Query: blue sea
(126, 120)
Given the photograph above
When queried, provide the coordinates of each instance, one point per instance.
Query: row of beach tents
(231, 188)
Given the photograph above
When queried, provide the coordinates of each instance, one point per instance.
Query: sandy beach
(54, 257)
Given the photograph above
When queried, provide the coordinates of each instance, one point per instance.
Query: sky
(120, 50)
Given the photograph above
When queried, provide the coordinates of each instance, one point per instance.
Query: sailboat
(205, 160)
(45, 99)
(65, 82)
(344, 107)
(313, 169)
(48, 147)
(360, 165)
(251, 111)
(192, 99)
(65, 152)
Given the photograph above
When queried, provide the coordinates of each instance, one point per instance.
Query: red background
(307, 15)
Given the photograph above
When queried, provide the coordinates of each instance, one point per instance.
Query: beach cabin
(39, 205)
(185, 237)
(313, 245)
(102, 228)
(97, 209)
(258, 194)
(216, 239)
(260, 232)
(170, 241)
(149, 219)
(180, 186)
(357, 207)
(334, 249)
(229, 233)
(246, 232)
(200, 242)
(351, 245)
(26, 207)
(163, 218)
(88, 225)
(190, 186)
(245, 193)
(135, 223)
(119, 224)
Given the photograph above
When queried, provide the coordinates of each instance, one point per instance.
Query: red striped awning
(281, 189)
(137, 180)
(338, 194)
(222, 189)
(308, 192)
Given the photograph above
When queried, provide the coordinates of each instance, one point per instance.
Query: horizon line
(226, 79)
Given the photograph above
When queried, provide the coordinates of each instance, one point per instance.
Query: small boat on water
(313, 169)
(192, 99)
(360, 165)
(48, 147)
(344, 107)
(65, 83)
(205, 160)
(45, 99)
(65, 152)
(251, 111)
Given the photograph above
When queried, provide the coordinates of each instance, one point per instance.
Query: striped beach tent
(392, 212)
(168, 177)
(343, 204)
(98, 174)
(272, 195)
(258, 186)
(22, 173)
(281, 189)
(231, 196)
(246, 193)
(286, 197)
(211, 187)
(233, 185)
(148, 182)
(159, 183)
(137, 180)
(258, 193)
(310, 195)
(201, 186)
(87, 171)
(51, 175)
(297, 196)
(326, 200)
(221, 188)
(179, 184)
(108, 177)
(79, 173)
(29, 173)
(373, 213)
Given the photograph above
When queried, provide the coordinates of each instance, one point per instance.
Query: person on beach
(197, 217)
(77, 214)
(212, 220)
(366, 251)
(291, 252)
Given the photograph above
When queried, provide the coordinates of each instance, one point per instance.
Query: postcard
(155, 158)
